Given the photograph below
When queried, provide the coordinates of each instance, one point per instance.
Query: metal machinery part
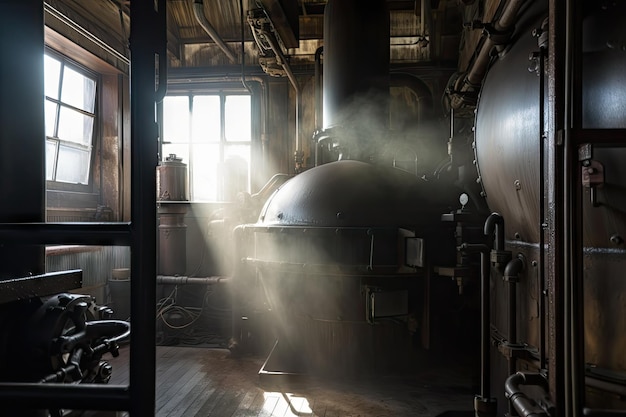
(58, 339)
(173, 199)
(509, 146)
(338, 248)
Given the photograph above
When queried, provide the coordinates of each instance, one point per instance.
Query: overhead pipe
(198, 12)
(525, 406)
(466, 88)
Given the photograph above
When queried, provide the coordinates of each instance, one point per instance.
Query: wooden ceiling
(190, 46)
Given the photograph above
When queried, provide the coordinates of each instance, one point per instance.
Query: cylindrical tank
(508, 145)
(172, 184)
(356, 70)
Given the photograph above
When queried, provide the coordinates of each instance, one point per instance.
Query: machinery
(58, 338)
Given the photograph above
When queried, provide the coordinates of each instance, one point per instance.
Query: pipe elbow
(524, 405)
(495, 224)
(514, 267)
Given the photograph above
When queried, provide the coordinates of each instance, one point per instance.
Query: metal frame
(148, 40)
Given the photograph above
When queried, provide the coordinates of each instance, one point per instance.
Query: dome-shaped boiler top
(355, 194)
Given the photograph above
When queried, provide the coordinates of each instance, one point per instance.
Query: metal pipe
(318, 88)
(471, 82)
(525, 406)
(198, 12)
(495, 222)
(184, 280)
(243, 51)
(485, 320)
(511, 275)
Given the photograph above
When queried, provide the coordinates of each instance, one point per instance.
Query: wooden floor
(195, 381)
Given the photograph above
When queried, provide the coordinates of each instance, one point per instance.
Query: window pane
(73, 166)
(235, 171)
(205, 174)
(175, 119)
(78, 90)
(52, 71)
(51, 156)
(206, 119)
(75, 127)
(237, 114)
(51, 117)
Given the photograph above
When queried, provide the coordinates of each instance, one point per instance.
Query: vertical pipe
(484, 405)
(147, 39)
(318, 88)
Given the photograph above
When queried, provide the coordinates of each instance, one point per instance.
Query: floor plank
(206, 382)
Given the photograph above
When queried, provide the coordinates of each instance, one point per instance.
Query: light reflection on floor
(285, 405)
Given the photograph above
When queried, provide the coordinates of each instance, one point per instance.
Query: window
(70, 119)
(212, 134)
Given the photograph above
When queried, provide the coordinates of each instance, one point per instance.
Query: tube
(318, 88)
(198, 12)
(523, 405)
(485, 334)
(472, 81)
(495, 222)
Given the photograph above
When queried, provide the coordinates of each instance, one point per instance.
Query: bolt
(534, 263)
(616, 239)
(518, 185)
(517, 235)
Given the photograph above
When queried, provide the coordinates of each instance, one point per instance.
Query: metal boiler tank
(340, 255)
(511, 157)
(341, 259)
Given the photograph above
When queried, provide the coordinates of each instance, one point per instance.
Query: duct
(466, 88)
(525, 406)
(198, 12)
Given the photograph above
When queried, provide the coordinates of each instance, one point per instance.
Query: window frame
(223, 143)
(67, 61)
